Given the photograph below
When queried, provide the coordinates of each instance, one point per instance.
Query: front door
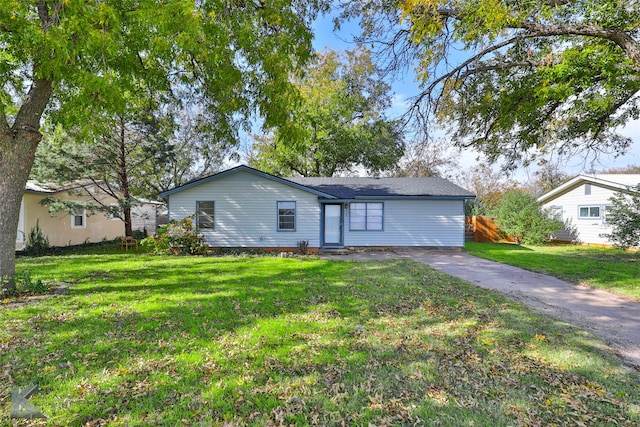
(332, 233)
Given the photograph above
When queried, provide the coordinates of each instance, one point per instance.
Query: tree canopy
(72, 58)
(515, 79)
(339, 124)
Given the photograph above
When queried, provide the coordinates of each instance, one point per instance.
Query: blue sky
(404, 89)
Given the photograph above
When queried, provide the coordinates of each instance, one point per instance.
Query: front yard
(153, 340)
(611, 269)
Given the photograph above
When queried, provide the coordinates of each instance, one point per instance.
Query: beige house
(64, 229)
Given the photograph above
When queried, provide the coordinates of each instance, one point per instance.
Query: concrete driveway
(613, 319)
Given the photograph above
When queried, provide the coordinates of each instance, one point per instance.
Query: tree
(74, 58)
(428, 158)
(340, 123)
(488, 185)
(518, 214)
(630, 169)
(112, 155)
(624, 217)
(515, 79)
(548, 177)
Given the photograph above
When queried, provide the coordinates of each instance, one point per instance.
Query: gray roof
(356, 187)
(351, 188)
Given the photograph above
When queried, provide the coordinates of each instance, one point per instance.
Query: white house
(244, 207)
(63, 229)
(583, 203)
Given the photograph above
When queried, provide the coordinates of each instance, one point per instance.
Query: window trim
(295, 216)
(213, 216)
(604, 213)
(589, 218)
(366, 216)
(74, 214)
(555, 215)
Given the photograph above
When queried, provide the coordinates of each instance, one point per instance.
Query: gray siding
(589, 230)
(246, 211)
(438, 223)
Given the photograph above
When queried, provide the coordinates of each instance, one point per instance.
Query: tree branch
(630, 46)
(29, 114)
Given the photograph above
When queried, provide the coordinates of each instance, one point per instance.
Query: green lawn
(612, 269)
(153, 340)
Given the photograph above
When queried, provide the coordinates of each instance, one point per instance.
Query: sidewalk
(613, 319)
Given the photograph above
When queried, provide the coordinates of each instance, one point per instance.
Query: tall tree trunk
(124, 179)
(16, 154)
(18, 145)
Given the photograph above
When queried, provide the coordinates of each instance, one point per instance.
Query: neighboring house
(63, 229)
(582, 202)
(244, 207)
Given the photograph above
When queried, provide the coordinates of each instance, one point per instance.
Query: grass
(153, 340)
(611, 269)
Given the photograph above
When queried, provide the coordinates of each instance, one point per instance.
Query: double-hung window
(555, 212)
(589, 212)
(366, 216)
(79, 218)
(286, 216)
(204, 215)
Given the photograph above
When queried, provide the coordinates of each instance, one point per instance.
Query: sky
(408, 87)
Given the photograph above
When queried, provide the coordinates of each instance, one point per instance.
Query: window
(607, 213)
(286, 216)
(556, 212)
(587, 189)
(114, 208)
(366, 216)
(589, 212)
(79, 218)
(204, 215)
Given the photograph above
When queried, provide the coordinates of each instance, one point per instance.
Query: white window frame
(369, 224)
(589, 208)
(556, 212)
(74, 215)
(604, 213)
(199, 213)
(112, 217)
(286, 206)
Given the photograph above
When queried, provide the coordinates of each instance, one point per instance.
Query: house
(63, 229)
(244, 207)
(582, 202)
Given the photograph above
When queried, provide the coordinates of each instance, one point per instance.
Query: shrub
(178, 237)
(624, 217)
(518, 214)
(37, 242)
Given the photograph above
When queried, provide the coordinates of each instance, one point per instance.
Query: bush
(178, 237)
(37, 242)
(519, 215)
(624, 217)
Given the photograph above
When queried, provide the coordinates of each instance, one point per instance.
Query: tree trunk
(17, 154)
(18, 145)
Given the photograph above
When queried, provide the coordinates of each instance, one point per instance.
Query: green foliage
(178, 237)
(515, 79)
(339, 123)
(37, 242)
(624, 217)
(26, 284)
(518, 214)
(82, 64)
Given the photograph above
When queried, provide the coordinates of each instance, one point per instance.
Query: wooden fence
(483, 229)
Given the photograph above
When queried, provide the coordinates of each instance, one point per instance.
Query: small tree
(519, 215)
(624, 217)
